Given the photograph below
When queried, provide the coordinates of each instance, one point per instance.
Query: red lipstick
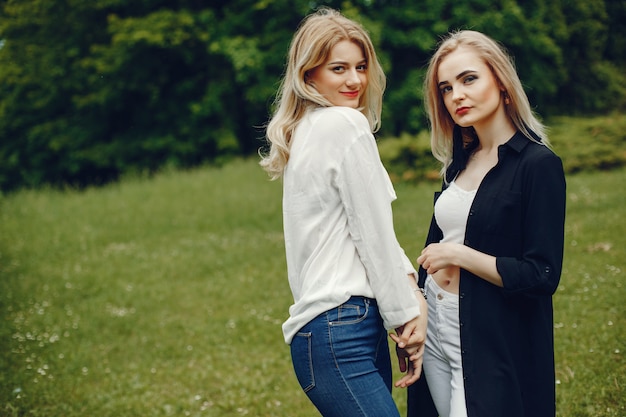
(462, 110)
(350, 94)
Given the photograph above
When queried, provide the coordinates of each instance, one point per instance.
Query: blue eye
(445, 89)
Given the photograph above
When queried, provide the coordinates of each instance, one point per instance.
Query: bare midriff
(448, 279)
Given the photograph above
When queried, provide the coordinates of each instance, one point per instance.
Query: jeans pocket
(302, 360)
(350, 313)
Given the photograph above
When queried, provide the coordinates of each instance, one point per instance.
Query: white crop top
(451, 212)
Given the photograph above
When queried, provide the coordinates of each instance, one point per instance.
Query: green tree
(92, 90)
(40, 74)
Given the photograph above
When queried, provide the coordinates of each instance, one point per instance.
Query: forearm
(478, 263)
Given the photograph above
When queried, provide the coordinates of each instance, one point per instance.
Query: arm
(538, 265)
(538, 269)
(366, 194)
(438, 256)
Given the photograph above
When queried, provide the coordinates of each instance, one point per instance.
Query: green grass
(164, 297)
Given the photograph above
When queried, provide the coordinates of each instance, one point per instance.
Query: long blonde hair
(501, 64)
(310, 47)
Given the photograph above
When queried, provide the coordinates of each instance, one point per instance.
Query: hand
(410, 339)
(411, 365)
(437, 256)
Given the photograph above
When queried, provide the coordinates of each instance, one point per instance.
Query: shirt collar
(518, 142)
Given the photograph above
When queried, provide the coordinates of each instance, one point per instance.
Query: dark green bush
(584, 144)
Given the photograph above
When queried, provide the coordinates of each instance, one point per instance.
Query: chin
(464, 123)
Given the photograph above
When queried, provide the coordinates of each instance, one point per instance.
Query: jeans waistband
(433, 290)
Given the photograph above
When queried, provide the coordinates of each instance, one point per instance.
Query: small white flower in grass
(616, 351)
(610, 323)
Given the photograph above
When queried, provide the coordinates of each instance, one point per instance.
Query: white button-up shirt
(338, 223)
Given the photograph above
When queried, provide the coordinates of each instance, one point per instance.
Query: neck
(493, 135)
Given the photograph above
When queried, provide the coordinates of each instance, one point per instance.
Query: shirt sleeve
(539, 268)
(367, 193)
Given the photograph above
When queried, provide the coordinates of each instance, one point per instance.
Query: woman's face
(342, 79)
(469, 89)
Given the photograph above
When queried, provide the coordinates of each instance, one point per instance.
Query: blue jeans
(341, 359)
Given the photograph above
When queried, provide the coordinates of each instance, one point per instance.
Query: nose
(457, 94)
(353, 79)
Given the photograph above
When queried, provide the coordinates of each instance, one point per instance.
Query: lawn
(165, 296)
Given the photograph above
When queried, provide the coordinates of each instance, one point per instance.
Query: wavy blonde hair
(310, 47)
(502, 66)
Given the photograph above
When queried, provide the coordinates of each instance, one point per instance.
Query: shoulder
(531, 152)
(336, 118)
(541, 166)
(537, 153)
(331, 133)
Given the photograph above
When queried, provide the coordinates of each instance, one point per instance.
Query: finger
(404, 381)
(408, 330)
(412, 375)
(417, 370)
(417, 354)
(416, 374)
(401, 343)
(402, 339)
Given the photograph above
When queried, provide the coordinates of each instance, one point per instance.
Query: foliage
(164, 297)
(91, 91)
(584, 144)
(409, 158)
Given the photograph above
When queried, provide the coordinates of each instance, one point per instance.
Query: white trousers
(442, 357)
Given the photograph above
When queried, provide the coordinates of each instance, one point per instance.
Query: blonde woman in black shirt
(494, 251)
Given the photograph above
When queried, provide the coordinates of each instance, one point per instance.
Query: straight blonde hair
(310, 47)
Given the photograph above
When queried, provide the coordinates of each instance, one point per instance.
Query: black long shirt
(507, 340)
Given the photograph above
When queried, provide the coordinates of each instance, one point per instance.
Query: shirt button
(439, 296)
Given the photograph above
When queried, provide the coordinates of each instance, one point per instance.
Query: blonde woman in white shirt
(350, 279)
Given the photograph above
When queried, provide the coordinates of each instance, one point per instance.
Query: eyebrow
(461, 75)
(345, 62)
